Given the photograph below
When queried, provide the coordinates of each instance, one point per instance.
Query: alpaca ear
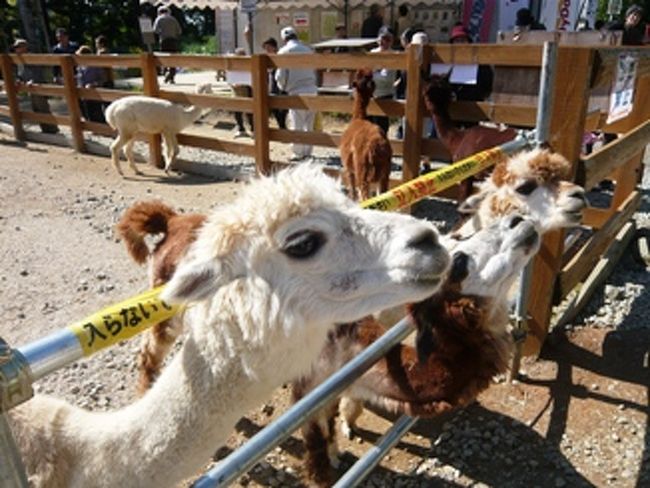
(194, 281)
(471, 204)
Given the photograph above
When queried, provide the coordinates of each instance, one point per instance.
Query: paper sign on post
(462, 74)
(622, 95)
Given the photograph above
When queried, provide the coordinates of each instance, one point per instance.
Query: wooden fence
(582, 80)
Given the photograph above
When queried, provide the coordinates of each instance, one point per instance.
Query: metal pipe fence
(20, 367)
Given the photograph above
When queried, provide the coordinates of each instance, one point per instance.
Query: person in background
(341, 33)
(374, 22)
(297, 82)
(526, 22)
(633, 26)
(385, 79)
(101, 47)
(63, 46)
(26, 75)
(169, 33)
(91, 77)
(240, 90)
(484, 77)
(403, 21)
(270, 46)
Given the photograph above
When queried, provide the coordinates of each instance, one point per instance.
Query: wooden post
(627, 177)
(416, 57)
(12, 97)
(260, 80)
(568, 116)
(72, 98)
(151, 89)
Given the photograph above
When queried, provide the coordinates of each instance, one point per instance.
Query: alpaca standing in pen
(460, 143)
(265, 280)
(149, 115)
(365, 151)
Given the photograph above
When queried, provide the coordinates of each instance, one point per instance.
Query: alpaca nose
(516, 220)
(426, 241)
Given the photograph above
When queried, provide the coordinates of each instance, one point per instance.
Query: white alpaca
(149, 115)
(265, 280)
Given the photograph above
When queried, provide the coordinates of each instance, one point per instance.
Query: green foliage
(206, 45)
(9, 25)
(116, 19)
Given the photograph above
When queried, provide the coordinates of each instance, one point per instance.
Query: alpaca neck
(226, 367)
(446, 129)
(360, 108)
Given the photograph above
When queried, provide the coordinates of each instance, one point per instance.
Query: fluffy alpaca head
(529, 183)
(437, 93)
(483, 269)
(322, 258)
(490, 261)
(363, 83)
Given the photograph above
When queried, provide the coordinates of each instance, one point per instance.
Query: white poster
(622, 96)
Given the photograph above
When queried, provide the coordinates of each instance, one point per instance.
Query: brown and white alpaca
(530, 183)
(178, 231)
(460, 143)
(463, 342)
(365, 151)
(266, 279)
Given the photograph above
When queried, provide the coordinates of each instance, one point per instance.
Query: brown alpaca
(365, 151)
(463, 341)
(178, 232)
(460, 143)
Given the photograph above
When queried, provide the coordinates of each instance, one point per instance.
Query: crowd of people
(390, 84)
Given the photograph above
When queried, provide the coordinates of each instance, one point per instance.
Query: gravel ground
(578, 416)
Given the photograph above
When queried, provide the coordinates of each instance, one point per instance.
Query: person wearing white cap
(297, 82)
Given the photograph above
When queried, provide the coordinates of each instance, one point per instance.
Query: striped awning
(288, 4)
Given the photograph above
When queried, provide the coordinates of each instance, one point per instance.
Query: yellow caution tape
(434, 182)
(128, 318)
(121, 321)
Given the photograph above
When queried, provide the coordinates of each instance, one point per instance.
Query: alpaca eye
(304, 244)
(527, 187)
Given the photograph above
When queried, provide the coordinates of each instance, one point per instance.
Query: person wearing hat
(633, 26)
(341, 33)
(459, 35)
(484, 77)
(297, 82)
(385, 79)
(27, 74)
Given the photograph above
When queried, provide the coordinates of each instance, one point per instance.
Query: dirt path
(579, 417)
